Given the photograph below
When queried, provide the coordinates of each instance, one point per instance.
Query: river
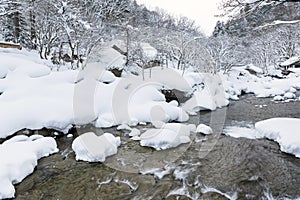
(210, 167)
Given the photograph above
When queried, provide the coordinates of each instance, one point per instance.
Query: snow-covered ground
(241, 80)
(33, 97)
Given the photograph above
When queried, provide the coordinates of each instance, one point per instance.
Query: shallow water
(210, 167)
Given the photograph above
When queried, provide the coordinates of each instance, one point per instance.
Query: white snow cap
(285, 131)
(168, 136)
(92, 148)
(202, 128)
(19, 157)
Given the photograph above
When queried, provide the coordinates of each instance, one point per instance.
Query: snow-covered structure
(291, 62)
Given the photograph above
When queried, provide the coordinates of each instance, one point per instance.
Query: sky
(202, 11)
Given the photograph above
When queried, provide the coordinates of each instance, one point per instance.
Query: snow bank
(209, 95)
(168, 136)
(33, 97)
(240, 80)
(19, 157)
(285, 131)
(92, 148)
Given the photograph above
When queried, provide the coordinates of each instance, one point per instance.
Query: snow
(209, 96)
(289, 95)
(148, 51)
(290, 61)
(19, 156)
(239, 80)
(277, 22)
(57, 100)
(285, 131)
(92, 148)
(254, 68)
(278, 98)
(168, 136)
(202, 128)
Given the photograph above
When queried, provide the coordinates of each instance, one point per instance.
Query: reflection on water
(211, 167)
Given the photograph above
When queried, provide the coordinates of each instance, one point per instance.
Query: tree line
(69, 30)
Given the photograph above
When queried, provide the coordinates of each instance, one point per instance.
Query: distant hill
(264, 16)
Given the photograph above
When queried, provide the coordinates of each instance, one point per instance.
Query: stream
(210, 167)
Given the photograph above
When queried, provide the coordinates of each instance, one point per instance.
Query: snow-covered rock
(168, 136)
(19, 157)
(134, 132)
(92, 148)
(254, 69)
(209, 96)
(285, 131)
(202, 128)
(278, 98)
(289, 95)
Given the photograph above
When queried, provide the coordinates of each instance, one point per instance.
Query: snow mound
(202, 128)
(285, 131)
(92, 148)
(207, 96)
(29, 90)
(19, 157)
(168, 136)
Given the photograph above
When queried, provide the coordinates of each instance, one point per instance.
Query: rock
(176, 95)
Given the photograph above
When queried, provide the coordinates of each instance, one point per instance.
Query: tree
(246, 6)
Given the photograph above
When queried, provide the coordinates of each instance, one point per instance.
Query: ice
(92, 148)
(202, 128)
(245, 132)
(19, 157)
(214, 190)
(168, 136)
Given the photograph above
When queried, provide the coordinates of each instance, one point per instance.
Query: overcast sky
(202, 11)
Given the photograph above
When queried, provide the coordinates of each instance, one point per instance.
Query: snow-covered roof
(290, 61)
(254, 68)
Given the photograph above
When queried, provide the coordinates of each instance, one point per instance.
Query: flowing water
(210, 167)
